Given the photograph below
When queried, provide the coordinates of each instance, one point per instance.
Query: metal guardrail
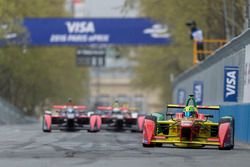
(209, 46)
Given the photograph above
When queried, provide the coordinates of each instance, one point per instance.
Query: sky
(106, 8)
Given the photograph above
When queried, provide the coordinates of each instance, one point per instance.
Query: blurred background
(35, 77)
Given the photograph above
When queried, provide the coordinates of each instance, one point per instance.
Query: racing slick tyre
(93, 131)
(95, 123)
(158, 144)
(45, 126)
(147, 145)
(133, 131)
(230, 120)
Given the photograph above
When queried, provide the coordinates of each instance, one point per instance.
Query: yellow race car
(189, 128)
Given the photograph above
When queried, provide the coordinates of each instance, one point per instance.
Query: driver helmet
(116, 104)
(116, 109)
(69, 103)
(70, 109)
(70, 100)
(189, 111)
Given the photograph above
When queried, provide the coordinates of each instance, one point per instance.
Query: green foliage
(39, 74)
(156, 64)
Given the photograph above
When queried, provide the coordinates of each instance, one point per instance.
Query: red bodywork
(48, 119)
(224, 135)
(149, 131)
(95, 122)
(128, 119)
(140, 122)
(81, 119)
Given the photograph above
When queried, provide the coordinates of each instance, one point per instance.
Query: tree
(40, 74)
(156, 64)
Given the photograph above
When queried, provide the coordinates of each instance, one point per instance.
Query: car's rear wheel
(158, 144)
(45, 127)
(95, 118)
(147, 145)
(133, 131)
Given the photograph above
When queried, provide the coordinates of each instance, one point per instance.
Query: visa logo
(80, 26)
(197, 92)
(230, 83)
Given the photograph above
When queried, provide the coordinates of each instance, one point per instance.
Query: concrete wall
(211, 73)
(9, 114)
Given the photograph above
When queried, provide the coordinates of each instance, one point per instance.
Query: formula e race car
(135, 120)
(70, 118)
(188, 128)
(121, 118)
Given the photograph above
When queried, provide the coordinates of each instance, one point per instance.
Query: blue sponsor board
(181, 96)
(231, 74)
(111, 31)
(198, 92)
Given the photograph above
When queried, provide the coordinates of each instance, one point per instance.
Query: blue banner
(231, 83)
(111, 31)
(181, 96)
(198, 92)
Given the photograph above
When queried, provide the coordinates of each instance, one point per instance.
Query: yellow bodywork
(199, 137)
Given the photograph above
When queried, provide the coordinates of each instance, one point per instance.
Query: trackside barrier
(209, 79)
(222, 79)
(210, 45)
(9, 114)
(241, 114)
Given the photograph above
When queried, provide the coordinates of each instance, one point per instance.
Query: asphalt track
(27, 145)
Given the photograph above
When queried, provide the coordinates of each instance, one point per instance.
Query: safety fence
(208, 47)
(222, 79)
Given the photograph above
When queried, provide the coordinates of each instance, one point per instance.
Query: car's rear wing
(104, 108)
(61, 107)
(80, 107)
(199, 107)
(120, 108)
(134, 109)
